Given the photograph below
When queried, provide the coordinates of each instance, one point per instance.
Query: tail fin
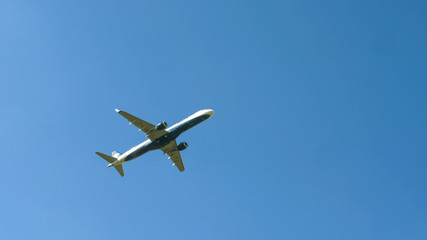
(110, 159)
(115, 154)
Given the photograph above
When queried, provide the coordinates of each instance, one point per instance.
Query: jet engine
(162, 125)
(182, 146)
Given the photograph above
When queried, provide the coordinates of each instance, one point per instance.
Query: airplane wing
(148, 128)
(172, 150)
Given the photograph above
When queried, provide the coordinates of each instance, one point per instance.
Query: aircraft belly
(144, 148)
(164, 140)
(138, 152)
(184, 126)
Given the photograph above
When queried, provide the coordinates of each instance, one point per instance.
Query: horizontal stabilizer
(110, 159)
(106, 157)
(119, 169)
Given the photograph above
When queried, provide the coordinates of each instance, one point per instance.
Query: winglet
(117, 110)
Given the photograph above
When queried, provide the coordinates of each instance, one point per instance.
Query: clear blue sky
(319, 131)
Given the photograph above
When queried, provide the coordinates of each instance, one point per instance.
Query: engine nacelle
(182, 146)
(162, 126)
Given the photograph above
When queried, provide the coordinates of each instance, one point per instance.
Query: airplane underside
(159, 138)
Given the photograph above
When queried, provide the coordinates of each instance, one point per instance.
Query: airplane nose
(210, 112)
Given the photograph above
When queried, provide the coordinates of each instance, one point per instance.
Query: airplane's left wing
(148, 128)
(172, 150)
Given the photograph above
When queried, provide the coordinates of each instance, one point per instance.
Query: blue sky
(319, 131)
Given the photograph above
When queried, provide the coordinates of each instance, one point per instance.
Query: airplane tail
(119, 169)
(115, 154)
(110, 159)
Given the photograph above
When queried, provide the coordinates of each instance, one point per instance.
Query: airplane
(159, 137)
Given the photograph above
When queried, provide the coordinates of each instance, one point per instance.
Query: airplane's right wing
(172, 150)
(148, 128)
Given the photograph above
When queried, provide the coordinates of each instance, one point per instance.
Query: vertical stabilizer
(115, 154)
